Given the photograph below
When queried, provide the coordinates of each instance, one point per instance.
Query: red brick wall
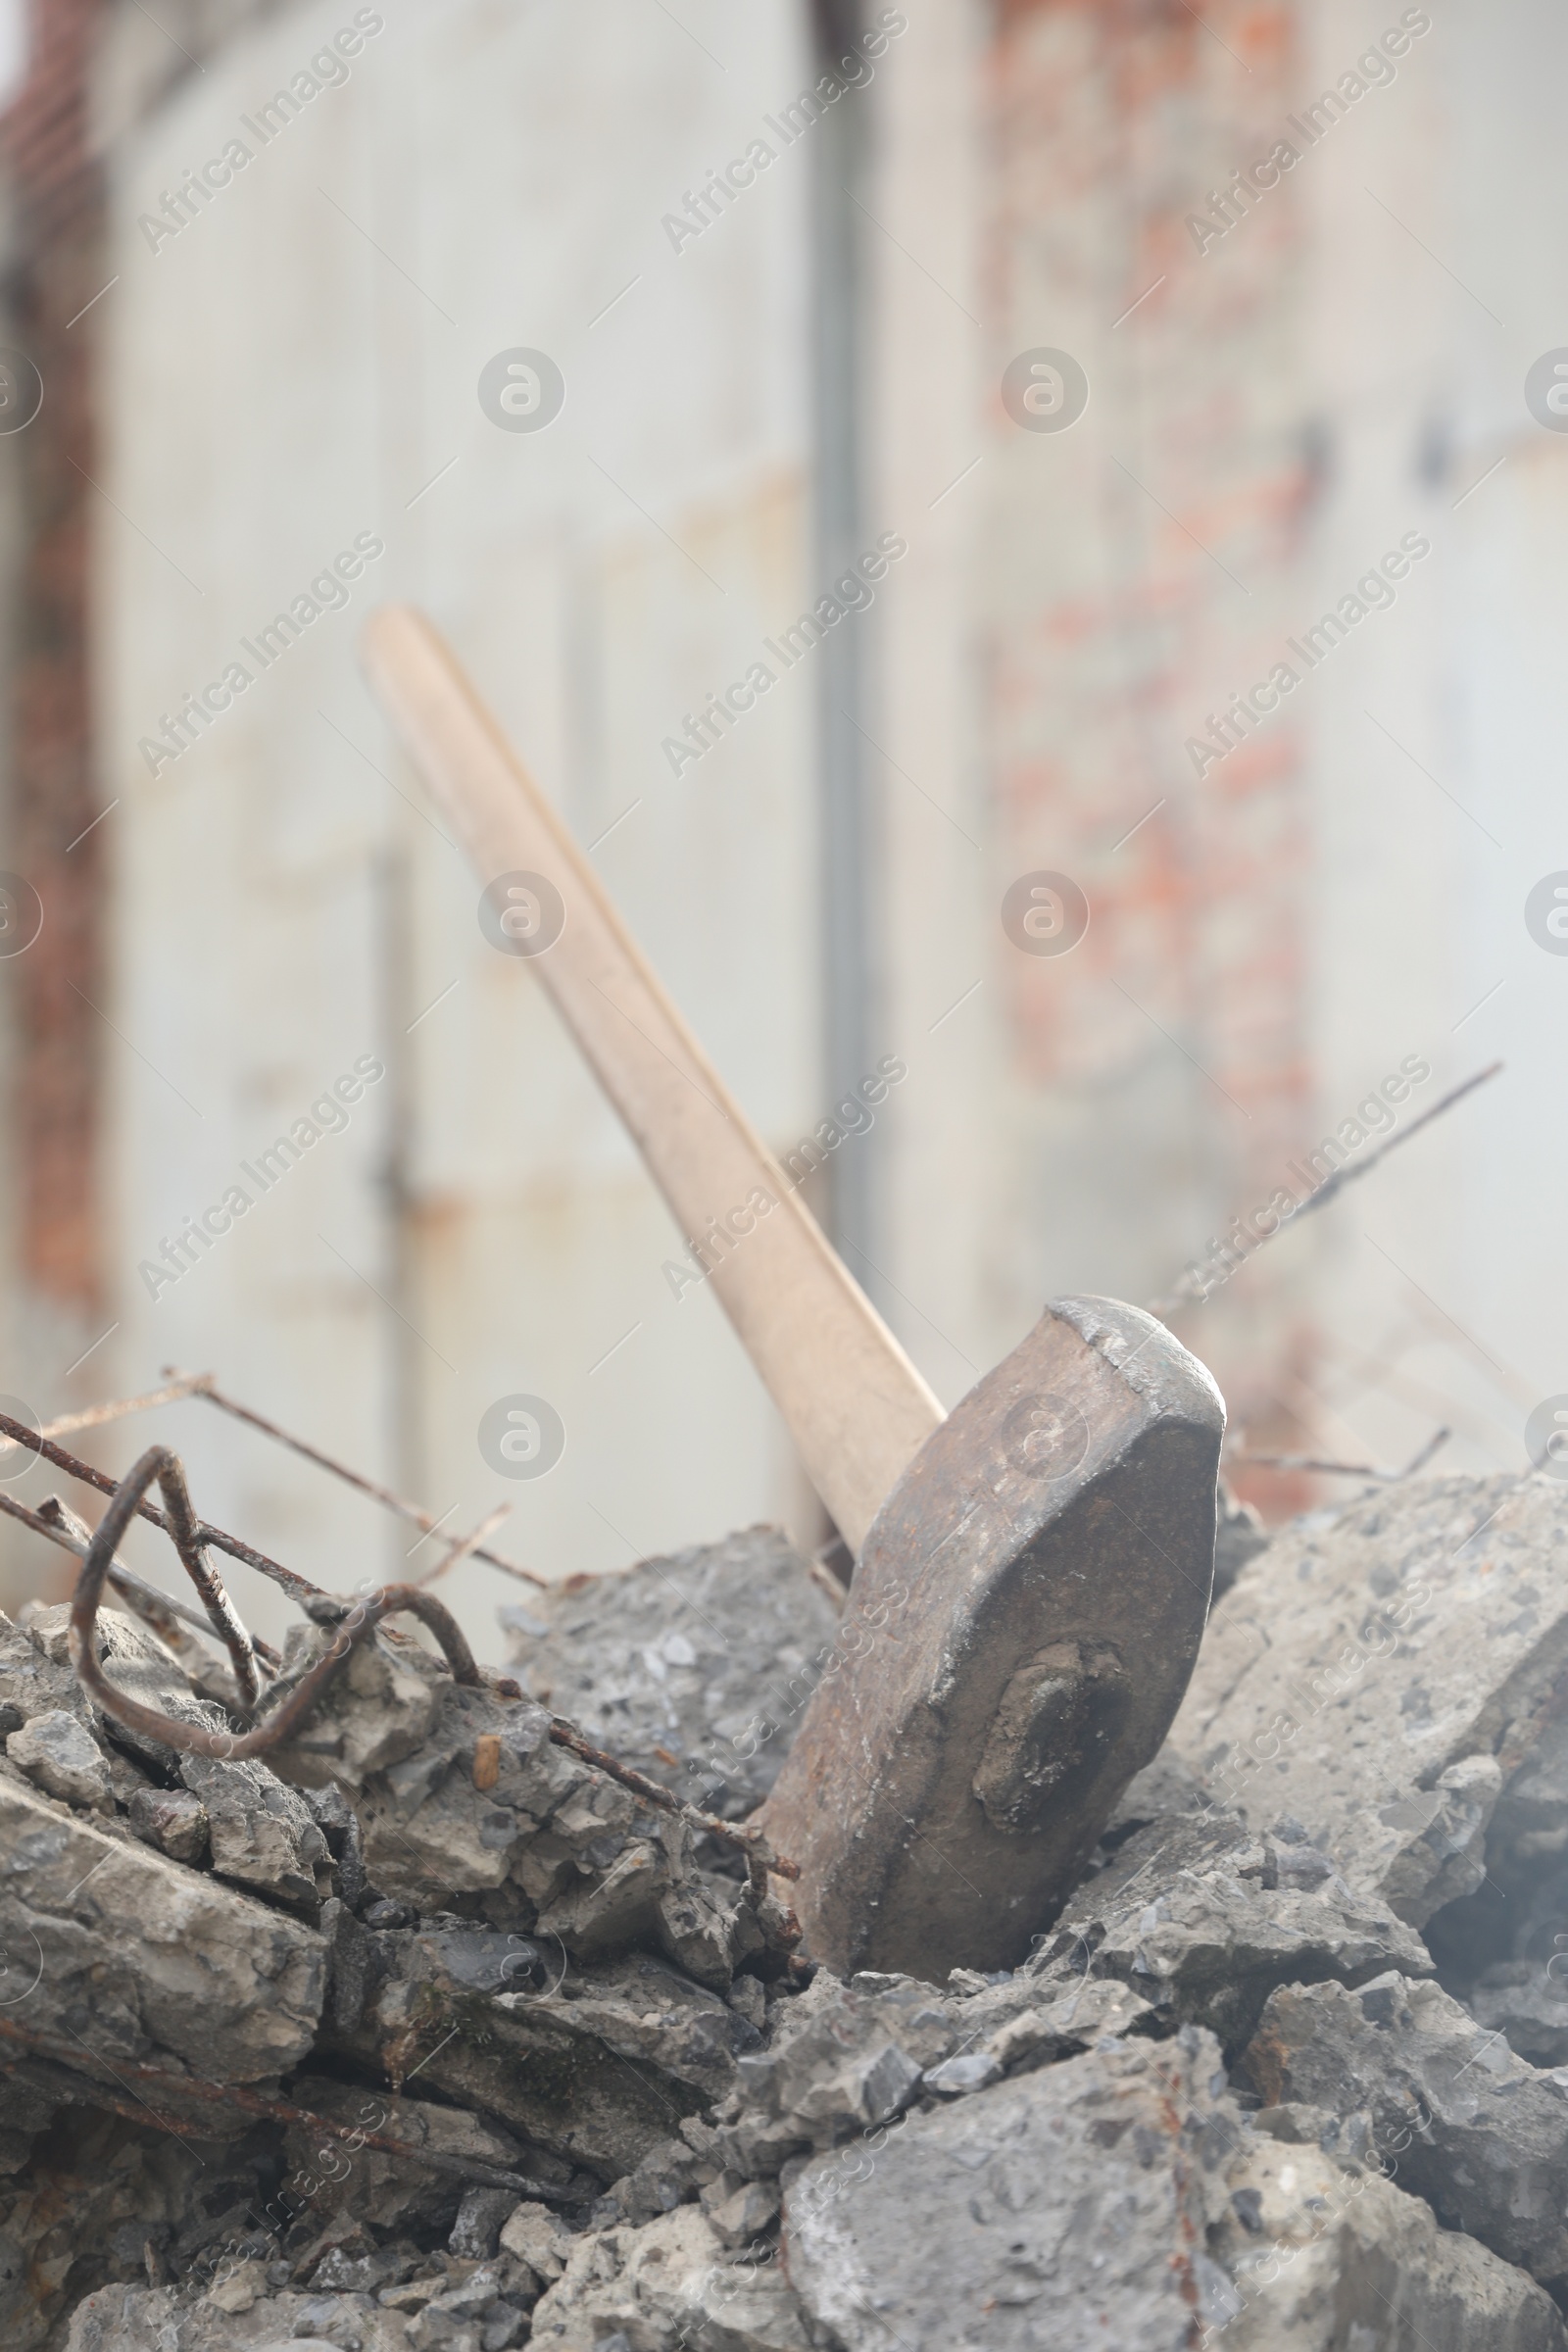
(1113, 632)
(56, 265)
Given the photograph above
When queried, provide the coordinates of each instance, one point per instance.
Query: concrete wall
(297, 367)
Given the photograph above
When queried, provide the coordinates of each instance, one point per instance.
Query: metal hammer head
(1022, 1624)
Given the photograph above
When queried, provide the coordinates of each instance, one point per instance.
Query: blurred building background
(1290, 378)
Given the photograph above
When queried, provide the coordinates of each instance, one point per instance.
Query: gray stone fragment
(1119, 2198)
(261, 1831)
(136, 1661)
(382, 2191)
(377, 1713)
(172, 1820)
(1473, 2129)
(845, 2058)
(477, 2228)
(147, 1959)
(1321, 2257)
(598, 2064)
(1505, 1951)
(354, 1963)
(1167, 1785)
(1203, 1918)
(1381, 1675)
(31, 1683)
(140, 2319)
(536, 2235)
(62, 1757)
(696, 1666)
(741, 2212)
(669, 2284)
(1528, 2001)
(1066, 2210)
(485, 1803)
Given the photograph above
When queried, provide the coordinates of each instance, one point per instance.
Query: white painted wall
(297, 367)
(1442, 1278)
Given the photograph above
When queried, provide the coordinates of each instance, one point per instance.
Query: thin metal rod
(184, 1528)
(467, 1546)
(1309, 1461)
(1188, 1294)
(74, 1535)
(299, 1586)
(96, 1415)
(1363, 1167)
(204, 1384)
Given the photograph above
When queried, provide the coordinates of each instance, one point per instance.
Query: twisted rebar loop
(356, 1624)
(353, 1625)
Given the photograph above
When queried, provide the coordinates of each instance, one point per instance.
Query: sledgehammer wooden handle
(854, 1405)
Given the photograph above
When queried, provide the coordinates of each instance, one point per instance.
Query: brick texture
(55, 267)
(1140, 573)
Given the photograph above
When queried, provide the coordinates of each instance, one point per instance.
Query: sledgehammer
(1033, 1569)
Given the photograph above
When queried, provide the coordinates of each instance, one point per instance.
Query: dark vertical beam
(839, 142)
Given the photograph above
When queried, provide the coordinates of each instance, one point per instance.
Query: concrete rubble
(426, 2032)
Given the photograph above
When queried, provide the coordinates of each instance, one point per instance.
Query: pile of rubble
(427, 2031)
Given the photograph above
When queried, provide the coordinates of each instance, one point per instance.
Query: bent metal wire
(354, 1623)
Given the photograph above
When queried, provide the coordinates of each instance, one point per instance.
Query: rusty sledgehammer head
(1022, 1624)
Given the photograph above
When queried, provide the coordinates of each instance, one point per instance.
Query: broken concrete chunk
(488, 1804)
(261, 1832)
(1065, 2210)
(1203, 1919)
(845, 2058)
(1471, 2127)
(31, 1683)
(377, 1712)
(538, 2236)
(1526, 2000)
(695, 1667)
(668, 2285)
(145, 1959)
(330, 2176)
(477, 2228)
(598, 2065)
(60, 1756)
(1321, 2257)
(1382, 1676)
(140, 2319)
(172, 1820)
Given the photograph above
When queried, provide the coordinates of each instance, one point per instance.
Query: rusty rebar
(184, 1531)
(353, 1625)
(1309, 1461)
(467, 1546)
(356, 1625)
(205, 1383)
(96, 1415)
(158, 1609)
(72, 1465)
